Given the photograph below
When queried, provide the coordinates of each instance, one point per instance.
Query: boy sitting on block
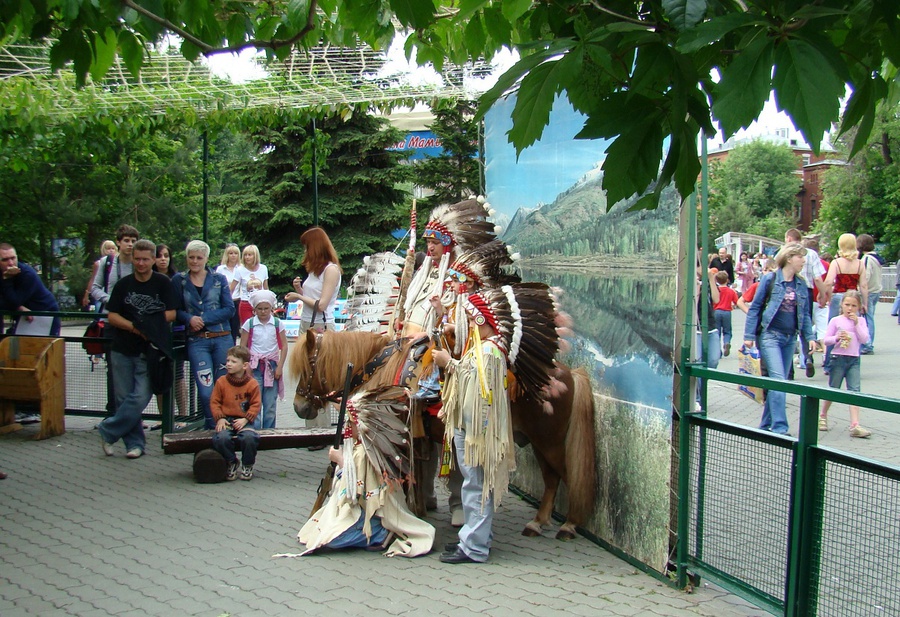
(235, 403)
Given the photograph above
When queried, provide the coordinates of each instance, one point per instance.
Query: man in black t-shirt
(140, 308)
(722, 262)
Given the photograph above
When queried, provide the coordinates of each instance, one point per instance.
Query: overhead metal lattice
(324, 76)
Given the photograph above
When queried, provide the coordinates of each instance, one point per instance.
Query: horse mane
(335, 351)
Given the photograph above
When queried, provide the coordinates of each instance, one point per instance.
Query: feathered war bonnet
(524, 316)
(484, 265)
(461, 226)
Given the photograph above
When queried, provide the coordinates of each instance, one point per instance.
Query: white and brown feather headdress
(525, 316)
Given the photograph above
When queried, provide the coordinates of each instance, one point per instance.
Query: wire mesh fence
(739, 507)
(858, 553)
(88, 380)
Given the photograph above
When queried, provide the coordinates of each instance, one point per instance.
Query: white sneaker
(107, 447)
(134, 453)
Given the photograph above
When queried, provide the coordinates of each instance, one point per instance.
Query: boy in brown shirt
(234, 404)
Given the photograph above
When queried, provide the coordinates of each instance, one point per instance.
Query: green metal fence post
(803, 532)
(686, 396)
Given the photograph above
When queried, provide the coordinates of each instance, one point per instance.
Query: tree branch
(209, 50)
(168, 25)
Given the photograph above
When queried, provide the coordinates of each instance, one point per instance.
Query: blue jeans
(247, 439)
(266, 416)
(895, 308)
(131, 384)
(777, 351)
(354, 537)
(870, 322)
(713, 355)
(207, 357)
(844, 367)
(723, 325)
(476, 535)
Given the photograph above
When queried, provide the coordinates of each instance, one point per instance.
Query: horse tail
(581, 446)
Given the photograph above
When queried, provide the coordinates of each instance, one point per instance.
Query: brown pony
(563, 441)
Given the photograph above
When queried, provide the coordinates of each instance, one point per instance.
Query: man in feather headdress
(512, 325)
(451, 229)
(366, 508)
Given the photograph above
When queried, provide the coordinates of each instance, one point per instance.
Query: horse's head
(312, 389)
(319, 362)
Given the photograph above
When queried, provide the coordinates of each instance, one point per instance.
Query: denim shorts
(841, 367)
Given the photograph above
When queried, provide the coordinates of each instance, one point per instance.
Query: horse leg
(545, 510)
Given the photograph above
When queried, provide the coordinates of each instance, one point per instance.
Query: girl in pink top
(846, 332)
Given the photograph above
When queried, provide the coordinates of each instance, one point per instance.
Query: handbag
(749, 364)
(312, 325)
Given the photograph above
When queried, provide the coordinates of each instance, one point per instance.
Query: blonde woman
(250, 269)
(108, 248)
(231, 257)
(846, 272)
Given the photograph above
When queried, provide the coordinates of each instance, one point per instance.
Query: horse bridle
(317, 400)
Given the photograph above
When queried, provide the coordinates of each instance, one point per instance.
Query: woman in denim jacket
(777, 314)
(205, 308)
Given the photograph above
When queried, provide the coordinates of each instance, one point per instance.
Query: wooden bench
(191, 442)
(32, 368)
(209, 466)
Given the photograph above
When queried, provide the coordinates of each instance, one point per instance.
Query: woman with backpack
(780, 309)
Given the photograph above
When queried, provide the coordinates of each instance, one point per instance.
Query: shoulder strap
(107, 267)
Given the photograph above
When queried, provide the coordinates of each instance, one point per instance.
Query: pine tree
(271, 204)
(455, 174)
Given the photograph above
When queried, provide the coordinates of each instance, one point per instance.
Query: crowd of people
(800, 294)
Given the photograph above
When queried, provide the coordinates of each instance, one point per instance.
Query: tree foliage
(81, 178)
(269, 198)
(642, 73)
(864, 196)
(755, 182)
(456, 173)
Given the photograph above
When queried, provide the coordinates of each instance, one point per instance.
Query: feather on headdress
(372, 293)
(461, 226)
(384, 435)
(524, 315)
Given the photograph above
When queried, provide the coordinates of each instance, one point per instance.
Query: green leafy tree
(733, 215)
(359, 204)
(82, 177)
(759, 176)
(864, 196)
(643, 73)
(455, 174)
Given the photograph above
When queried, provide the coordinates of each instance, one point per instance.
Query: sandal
(823, 424)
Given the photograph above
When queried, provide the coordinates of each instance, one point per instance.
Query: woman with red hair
(322, 284)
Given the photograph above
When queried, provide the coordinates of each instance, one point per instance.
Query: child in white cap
(265, 337)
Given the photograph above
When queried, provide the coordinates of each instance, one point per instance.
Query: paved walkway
(879, 373)
(83, 534)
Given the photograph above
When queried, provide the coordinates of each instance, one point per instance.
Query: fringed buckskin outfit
(476, 408)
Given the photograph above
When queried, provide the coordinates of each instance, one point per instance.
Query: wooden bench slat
(191, 442)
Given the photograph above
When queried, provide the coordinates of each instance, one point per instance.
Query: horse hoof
(528, 532)
(565, 535)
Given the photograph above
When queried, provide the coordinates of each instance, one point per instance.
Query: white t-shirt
(312, 288)
(229, 276)
(265, 338)
(243, 276)
(813, 268)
